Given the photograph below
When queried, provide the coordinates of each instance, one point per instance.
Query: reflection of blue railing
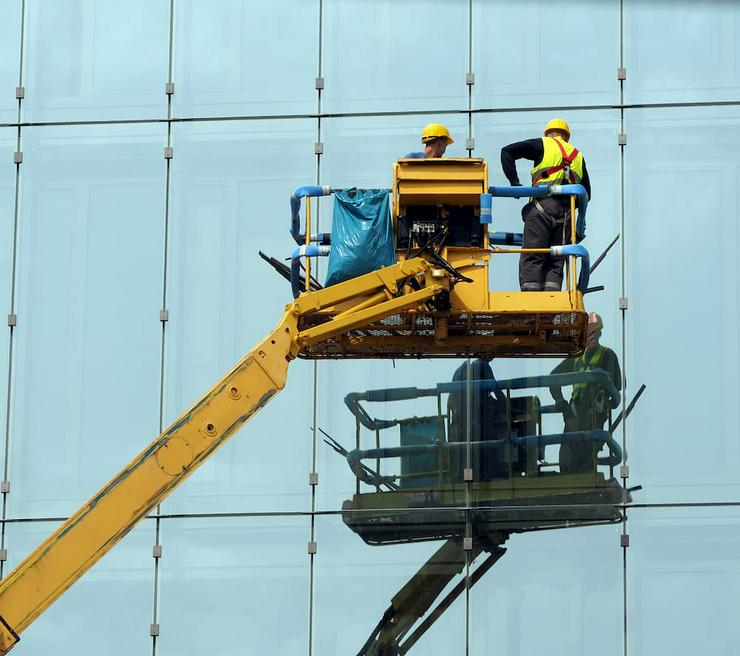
(353, 400)
(597, 436)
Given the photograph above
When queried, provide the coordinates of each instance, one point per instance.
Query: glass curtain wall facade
(149, 151)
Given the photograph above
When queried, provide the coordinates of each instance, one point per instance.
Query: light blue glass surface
(683, 581)
(85, 388)
(566, 583)
(381, 55)
(244, 57)
(681, 51)
(86, 60)
(361, 151)
(10, 51)
(231, 186)
(683, 285)
(7, 196)
(108, 611)
(354, 584)
(529, 54)
(233, 586)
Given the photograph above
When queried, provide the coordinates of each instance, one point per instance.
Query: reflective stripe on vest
(582, 365)
(561, 163)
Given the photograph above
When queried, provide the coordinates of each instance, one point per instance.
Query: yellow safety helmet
(435, 131)
(558, 124)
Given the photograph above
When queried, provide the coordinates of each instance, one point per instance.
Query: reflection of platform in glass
(550, 502)
(544, 325)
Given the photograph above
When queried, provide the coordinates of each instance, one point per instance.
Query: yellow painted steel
(165, 463)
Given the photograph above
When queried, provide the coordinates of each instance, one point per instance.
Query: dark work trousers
(539, 271)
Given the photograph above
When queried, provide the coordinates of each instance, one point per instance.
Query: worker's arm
(531, 149)
(565, 367)
(586, 181)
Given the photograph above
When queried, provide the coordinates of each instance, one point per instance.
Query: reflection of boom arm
(111, 513)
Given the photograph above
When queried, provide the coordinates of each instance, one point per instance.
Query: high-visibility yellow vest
(561, 163)
(583, 364)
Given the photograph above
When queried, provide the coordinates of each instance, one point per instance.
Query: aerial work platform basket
(440, 212)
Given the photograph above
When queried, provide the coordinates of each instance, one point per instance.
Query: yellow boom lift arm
(429, 304)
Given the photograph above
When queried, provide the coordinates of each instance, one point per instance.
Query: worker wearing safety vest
(588, 408)
(546, 219)
(435, 137)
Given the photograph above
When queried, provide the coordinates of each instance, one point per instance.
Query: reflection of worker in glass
(546, 219)
(435, 137)
(589, 404)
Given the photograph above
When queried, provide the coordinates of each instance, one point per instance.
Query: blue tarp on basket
(361, 238)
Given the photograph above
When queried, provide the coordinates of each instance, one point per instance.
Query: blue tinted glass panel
(108, 611)
(10, 54)
(683, 580)
(87, 60)
(7, 196)
(239, 57)
(231, 185)
(527, 55)
(354, 585)
(681, 434)
(86, 371)
(243, 582)
(569, 582)
(380, 55)
(681, 51)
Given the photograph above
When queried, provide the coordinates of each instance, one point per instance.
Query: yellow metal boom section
(111, 513)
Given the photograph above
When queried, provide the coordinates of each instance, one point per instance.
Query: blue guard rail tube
(295, 209)
(295, 263)
(553, 190)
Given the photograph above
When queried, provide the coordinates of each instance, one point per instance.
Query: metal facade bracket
(318, 148)
(319, 83)
(468, 544)
(5, 487)
(622, 139)
(623, 303)
(154, 629)
(312, 547)
(18, 157)
(164, 315)
(12, 319)
(3, 555)
(157, 551)
(20, 93)
(168, 152)
(169, 88)
(621, 73)
(470, 143)
(468, 474)
(624, 471)
(624, 540)
(470, 79)
(313, 478)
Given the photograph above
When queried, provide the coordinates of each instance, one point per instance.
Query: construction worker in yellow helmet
(588, 408)
(435, 137)
(546, 219)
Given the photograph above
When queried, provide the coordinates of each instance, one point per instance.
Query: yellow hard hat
(435, 131)
(557, 124)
